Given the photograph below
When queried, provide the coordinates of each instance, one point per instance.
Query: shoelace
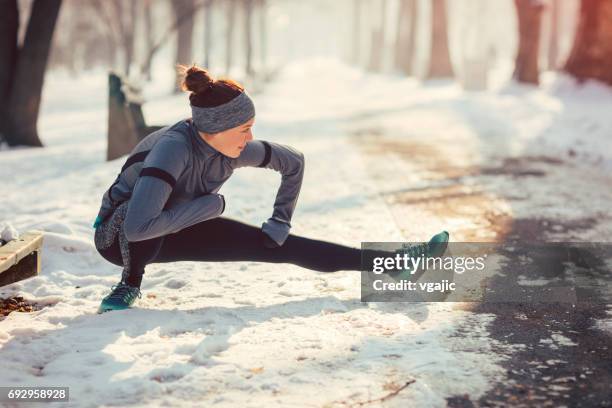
(414, 250)
(120, 291)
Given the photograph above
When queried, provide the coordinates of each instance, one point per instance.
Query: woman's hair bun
(195, 79)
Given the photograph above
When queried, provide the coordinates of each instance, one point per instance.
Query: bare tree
(357, 6)
(439, 62)
(529, 14)
(377, 44)
(121, 18)
(185, 9)
(127, 25)
(229, 33)
(9, 30)
(148, 32)
(22, 71)
(248, 36)
(111, 33)
(263, 31)
(64, 50)
(405, 39)
(176, 23)
(207, 31)
(83, 40)
(553, 37)
(591, 54)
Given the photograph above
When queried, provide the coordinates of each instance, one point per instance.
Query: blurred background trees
(462, 40)
(591, 55)
(439, 58)
(526, 66)
(183, 12)
(405, 39)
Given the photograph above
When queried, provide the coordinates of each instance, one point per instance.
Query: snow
(557, 340)
(606, 323)
(8, 232)
(251, 334)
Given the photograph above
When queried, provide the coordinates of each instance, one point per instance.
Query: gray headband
(219, 118)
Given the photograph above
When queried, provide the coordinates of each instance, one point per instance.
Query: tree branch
(177, 22)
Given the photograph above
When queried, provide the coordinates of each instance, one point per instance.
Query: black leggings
(224, 239)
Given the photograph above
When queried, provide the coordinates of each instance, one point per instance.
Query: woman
(164, 205)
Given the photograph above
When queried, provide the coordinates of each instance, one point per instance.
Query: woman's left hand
(269, 242)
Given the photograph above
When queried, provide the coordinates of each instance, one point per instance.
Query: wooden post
(122, 134)
(20, 258)
(126, 122)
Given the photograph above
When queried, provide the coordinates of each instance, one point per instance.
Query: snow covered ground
(251, 334)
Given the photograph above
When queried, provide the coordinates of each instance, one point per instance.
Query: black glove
(269, 242)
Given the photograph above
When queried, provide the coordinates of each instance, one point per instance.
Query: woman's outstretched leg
(217, 240)
(224, 239)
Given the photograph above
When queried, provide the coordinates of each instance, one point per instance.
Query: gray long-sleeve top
(172, 178)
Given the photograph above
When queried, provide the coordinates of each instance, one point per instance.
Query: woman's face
(232, 141)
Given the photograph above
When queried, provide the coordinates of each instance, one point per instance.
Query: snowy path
(247, 333)
(470, 174)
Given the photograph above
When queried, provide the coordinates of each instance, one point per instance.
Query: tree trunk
(378, 41)
(207, 32)
(248, 38)
(29, 75)
(529, 14)
(9, 29)
(125, 21)
(406, 36)
(183, 9)
(357, 5)
(591, 54)
(229, 34)
(439, 62)
(148, 25)
(177, 22)
(553, 38)
(112, 36)
(129, 36)
(263, 33)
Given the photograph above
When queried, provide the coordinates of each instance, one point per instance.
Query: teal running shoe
(435, 248)
(122, 296)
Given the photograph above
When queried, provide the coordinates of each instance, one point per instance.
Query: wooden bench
(126, 122)
(20, 258)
